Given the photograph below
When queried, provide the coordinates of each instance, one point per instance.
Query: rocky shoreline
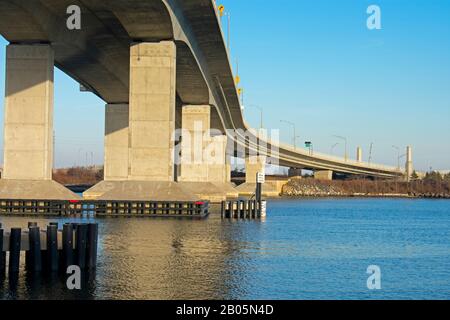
(312, 188)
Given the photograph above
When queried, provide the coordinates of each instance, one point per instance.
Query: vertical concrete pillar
(116, 142)
(359, 154)
(253, 165)
(152, 111)
(326, 175)
(409, 168)
(219, 168)
(28, 132)
(196, 122)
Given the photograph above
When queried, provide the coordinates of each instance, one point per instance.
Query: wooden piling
(2, 253)
(241, 209)
(15, 240)
(34, 259)
(91, 250)
(67, 249)
(228, 210)
(27, 253)
(52, 248)
(222, 209)
(80, 245)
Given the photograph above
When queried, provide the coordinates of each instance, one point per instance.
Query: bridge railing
(336, 159)
(341, 160)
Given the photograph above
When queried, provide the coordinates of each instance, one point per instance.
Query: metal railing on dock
(198, 209)
(50, 250)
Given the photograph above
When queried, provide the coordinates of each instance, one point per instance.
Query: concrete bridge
(159, 65)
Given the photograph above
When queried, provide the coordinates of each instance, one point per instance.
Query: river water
(304, 249)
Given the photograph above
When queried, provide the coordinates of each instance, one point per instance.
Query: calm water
(305, 249)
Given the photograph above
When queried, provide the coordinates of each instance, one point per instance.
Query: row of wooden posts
(247, 209)
(243, 209)
(50, 250)
(198, 209)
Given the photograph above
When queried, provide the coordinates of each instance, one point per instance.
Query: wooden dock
(199, 209)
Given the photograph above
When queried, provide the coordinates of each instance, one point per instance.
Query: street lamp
(223, 12)
(79, 157)
(345, 140)
(398, 156)
(260, 115)
(332, 147)
(295, 135)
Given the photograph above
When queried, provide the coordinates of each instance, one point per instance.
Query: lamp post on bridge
(345, 140)
(260, 114)
(398, 156)
(295, 134)
(223, 12)
(332, 147)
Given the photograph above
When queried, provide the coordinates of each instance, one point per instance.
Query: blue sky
(315, 63)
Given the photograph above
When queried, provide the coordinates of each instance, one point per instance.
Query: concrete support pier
(409, 167)
(253, 165)
(326, 175)
(147, 170)
(116, 142)
(203, 157)
(359, 156)
(152, 111)
(28, 126)
(116, 150)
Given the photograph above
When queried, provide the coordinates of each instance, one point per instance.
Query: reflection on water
(306, 249)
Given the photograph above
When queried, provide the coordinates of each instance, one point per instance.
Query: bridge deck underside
(98, 57)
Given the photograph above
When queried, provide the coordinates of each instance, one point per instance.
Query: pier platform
(105, 208)
(35, 189)
(161, 191)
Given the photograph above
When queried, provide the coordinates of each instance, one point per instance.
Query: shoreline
(365, 196)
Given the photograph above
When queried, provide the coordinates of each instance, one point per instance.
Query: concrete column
(409, 168)
(219, 168)
(152, 111)
(359, 154)
(253, 165)
(28, 132)
(196, 122)
(323, 175)
(116, 142)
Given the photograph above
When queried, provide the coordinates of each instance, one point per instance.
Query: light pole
(228, 31)
(79, 157)
(370, 153)
(260, 114)
(295, 135)
(333, 146)
(398, 156)
(223, 12)
(345, 140)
